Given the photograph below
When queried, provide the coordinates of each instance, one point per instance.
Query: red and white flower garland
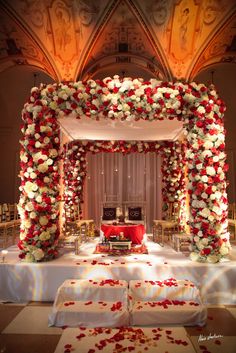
(173, 167)
(197, 106)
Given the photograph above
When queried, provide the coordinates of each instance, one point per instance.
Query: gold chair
(168, 225)
(3, 236)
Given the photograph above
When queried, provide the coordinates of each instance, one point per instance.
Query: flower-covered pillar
(207, 181)
(39, 161)
(173, 177)
(74, 161)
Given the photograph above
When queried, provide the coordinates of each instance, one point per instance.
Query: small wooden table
(118, 245)
(180, 239)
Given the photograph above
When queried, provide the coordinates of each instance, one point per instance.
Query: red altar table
(134, 232)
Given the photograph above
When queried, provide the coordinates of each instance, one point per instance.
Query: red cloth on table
(133, 232)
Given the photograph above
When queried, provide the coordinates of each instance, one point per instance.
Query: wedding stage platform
(23, 282)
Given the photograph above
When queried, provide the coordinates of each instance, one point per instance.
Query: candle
(4, 254)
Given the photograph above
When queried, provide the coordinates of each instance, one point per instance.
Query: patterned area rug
(135, 249)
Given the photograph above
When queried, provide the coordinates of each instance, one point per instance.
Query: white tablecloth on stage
(22, 282)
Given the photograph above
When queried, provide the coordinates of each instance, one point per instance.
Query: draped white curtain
(132, 177)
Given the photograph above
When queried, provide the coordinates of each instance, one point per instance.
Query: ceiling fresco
(81, 39)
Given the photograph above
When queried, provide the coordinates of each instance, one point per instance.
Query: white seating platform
(165, 302)
(109, 303)
(91, 303)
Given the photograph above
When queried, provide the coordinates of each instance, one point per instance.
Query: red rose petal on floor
(67, 345)
(217, 342)
(168, 332)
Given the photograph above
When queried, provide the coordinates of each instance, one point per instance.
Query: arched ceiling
(78, 39)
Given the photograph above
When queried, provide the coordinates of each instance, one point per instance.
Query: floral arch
(198, 106)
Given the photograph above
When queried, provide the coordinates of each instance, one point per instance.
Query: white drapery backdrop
(126, 178)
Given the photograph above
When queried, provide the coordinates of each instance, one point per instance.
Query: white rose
(49, 161)
(217, 210)
(28, 186)
(199, 166)
(29, 206)
(212, 259)
(37, 144)
(33, 175)
(44, 236)
(208, 145)
(34, 187)
(204, 195)
(205, 178)
(42, 168)
(46, 140)
(210, 171)
(194, 256)
(31, 195)
(224, 250)
(29, 258)
(204, 241)
(26, 223)
(200, 246)
(38, 254)
(211, 218)
(46, 180)
(33, 215)
(205, 212)
(22, 235)
(43, 220)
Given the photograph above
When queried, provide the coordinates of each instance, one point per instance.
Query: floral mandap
(201, 156)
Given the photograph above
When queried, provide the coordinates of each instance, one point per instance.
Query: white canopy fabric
(107, 129)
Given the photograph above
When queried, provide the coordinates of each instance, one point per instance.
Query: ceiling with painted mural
(79, 39)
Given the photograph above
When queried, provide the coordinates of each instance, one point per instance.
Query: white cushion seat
(165, 302)
(91, 303)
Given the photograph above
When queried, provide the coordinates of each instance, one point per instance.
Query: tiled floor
(24, 329)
